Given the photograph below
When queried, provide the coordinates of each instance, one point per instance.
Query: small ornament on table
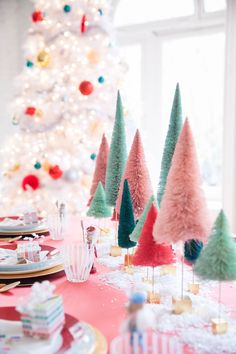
(67, 8)
(139, 319)
(29, 251)
(37, 16)
(91, 238)
(30, 218)
(42, 312)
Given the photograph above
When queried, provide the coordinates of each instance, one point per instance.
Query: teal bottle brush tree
(98, 207)
(218, 262)
(175, 126)
(127, 223)
(116, 165)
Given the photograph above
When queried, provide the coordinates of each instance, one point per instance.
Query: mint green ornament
(218, 258)
(134, 236)
(175, 126)
(98, 207)
(117, 156)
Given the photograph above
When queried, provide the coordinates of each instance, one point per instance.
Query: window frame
(150, 36)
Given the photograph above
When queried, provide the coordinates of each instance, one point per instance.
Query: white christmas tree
(65, 100)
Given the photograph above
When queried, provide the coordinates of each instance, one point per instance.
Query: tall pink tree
(183, 214)
(136, 172)
(100, 167)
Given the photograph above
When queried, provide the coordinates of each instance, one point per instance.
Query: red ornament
(37, 16)
(55, 172)
(30, 182)
(83, 25)
(30, 111)
(86, 88)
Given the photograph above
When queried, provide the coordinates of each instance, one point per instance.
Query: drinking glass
(56, 225)
(78, 261)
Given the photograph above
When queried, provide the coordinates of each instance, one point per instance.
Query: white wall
(14, 22)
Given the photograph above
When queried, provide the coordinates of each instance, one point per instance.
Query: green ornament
(139, 225)
(175, 126)
(127, 222)
(37, 165)
(218, 258)
(98, 207)
(67, 8)
(93, 156)
(29, 64)
(117, 156)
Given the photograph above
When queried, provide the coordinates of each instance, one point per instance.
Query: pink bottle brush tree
(183, 214)
(136, 172)
(101, 167)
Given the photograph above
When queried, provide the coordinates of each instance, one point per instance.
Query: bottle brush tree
(175, 126)
(117, 156)
(98, 207)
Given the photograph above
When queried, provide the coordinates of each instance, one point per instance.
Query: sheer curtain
(14, 22)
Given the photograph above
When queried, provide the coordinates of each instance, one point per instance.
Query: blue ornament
(93, 156)
(37, 165)
(67, 8)
(101, 80)
(137, 298)
(29, 64)
(100, 12)
(192, 250)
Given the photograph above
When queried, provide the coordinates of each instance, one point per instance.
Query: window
(173, 49)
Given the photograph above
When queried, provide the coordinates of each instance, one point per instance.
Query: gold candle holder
(116, 251)
(129, 270)
(153, 298)
(168, 270)
(194, 288)
(181, 305)
(219, 326)
(128, 259)
(146, 280)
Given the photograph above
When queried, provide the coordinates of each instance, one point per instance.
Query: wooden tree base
(194, 288)
(129, 270)
(153, 298)
(116, 251)
(128, 259)
(168, 270)
(219, 326)
(105, 231)
(181, 305)
(146, 280)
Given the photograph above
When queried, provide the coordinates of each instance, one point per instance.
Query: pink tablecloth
(93, 301)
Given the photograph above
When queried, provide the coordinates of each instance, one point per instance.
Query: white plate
(32, 267)
(19, 226)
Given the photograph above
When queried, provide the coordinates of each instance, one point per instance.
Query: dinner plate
(94, 341)
(30, 267)
(19, 225)
(32, 274)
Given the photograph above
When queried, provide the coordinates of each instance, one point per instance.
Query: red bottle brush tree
(149, 253)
